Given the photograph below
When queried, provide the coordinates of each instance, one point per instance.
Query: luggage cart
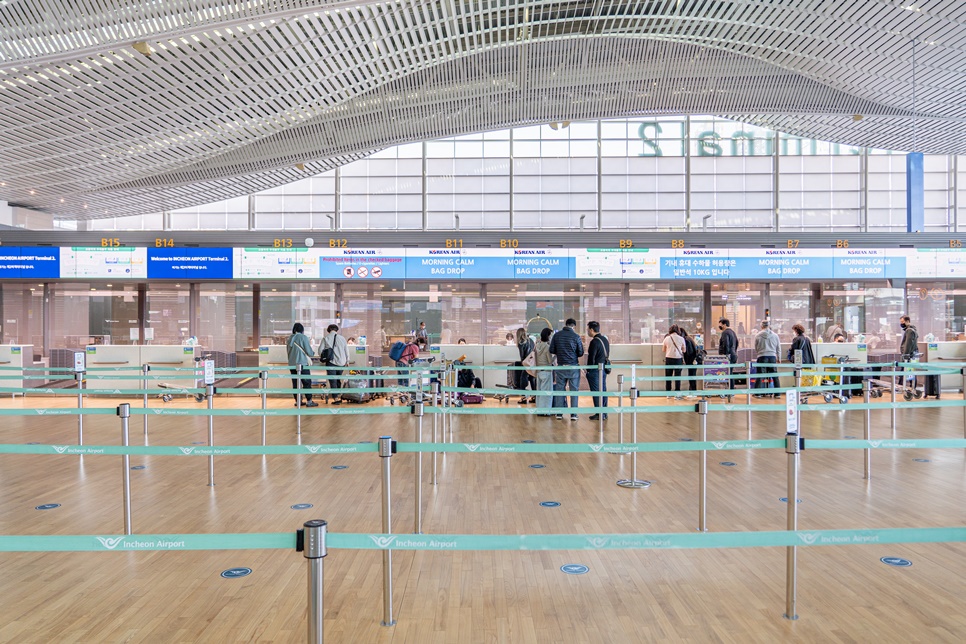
(406, 398)
(716, 370)
(834, 376)
(199, 373)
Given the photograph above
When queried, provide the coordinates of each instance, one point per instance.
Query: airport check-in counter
(622, 356)
(126, 359)
(949, 352)
(499, 356)
(276, 355)
(20, 356)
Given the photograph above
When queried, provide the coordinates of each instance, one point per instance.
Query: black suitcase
(931, 385)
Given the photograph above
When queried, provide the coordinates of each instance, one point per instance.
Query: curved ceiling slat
(127, 108)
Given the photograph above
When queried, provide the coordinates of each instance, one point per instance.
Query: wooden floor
(845, 593)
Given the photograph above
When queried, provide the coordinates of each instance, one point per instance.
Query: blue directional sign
(30, 263)
(727, 463)
(550, 504)
(138, 467)
(537, 466)
(189, 263)
(784, 499)
(47, 506)
(340, 467)
(575, 569)
(301, 506)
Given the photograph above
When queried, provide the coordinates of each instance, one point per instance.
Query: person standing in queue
(909, 346)
(598, 353)
(690, 358)
(803, 344)
(409, 355)
(421, 332)
(728, 345)
(544, 376)
(334, 353)
(299, 353)
(525, 347)
(567, 346)
(767, 346)
(673, 357)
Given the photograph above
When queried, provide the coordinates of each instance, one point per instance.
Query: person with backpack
(404, 353)
(300, 350)
(673, 357)
(803, 344)
(334, 354)
(767, 347)
(598, 353)
(728, 345)
(690, 359)
(525, 347)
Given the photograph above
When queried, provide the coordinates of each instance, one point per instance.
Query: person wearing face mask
(909, 346)
(728, 344)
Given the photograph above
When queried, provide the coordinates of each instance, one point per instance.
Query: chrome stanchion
(748, 402)
(895, 383)
(80, 406)
(702, 409)
(298, 399)
(633, 482)
(387, 447)
(210, 395)
(310, 541)
(263, 383)
(124, 412)
(620, 408)
(437, 401)
(866, 389)
(798, 393)
(417, 411)
(793, 449)
(600, 399)
(964, 407)
(144, 371)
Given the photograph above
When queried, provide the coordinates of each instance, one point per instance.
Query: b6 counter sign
(209, 372)
(791, 412)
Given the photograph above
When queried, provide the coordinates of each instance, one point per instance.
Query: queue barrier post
(702, 409)
(437, 402)
(124, 413)
(298, 399)
(601, 389)
(310, 541)
(145, 368)
(80, 405)
(417, 410)
(633, 482)
(895, 383)
(747, 402)
(387, 447)
(867, 428)
(210, 395)
(963, 371)
(620, 408)
(263, 385)
(793, 445)
(798, 395)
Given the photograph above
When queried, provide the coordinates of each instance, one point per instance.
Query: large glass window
(744, 307)
(937, 309)
(532, 306)
(867, 311)
(791, 304)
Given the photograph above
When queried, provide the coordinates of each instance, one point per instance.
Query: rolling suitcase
(931, 386)
(357, 397)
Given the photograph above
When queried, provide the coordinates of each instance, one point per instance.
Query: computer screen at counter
(481, 264)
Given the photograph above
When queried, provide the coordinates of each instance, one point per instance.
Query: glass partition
(167, 319)
(282, 305)
(743, 305)
(866, 311)
(791, 304)
(532, 306)
(655, 307)
(937, 309)
(225, 317)
(83, 314)
(22, 315)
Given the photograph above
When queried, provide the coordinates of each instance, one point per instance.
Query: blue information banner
(27, 262)
(867, 263)
(189, 263)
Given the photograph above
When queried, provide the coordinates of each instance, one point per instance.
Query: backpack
(690, 350)
(396, 350)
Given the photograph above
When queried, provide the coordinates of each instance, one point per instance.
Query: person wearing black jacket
(728, 345)
(567, 346)
(598, 350)
(803, 344)
(690, 359)
(525, 346)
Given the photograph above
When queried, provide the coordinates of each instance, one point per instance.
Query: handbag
(607, 368)
(530, 362)
(325, 353)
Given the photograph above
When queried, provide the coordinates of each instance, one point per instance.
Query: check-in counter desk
(498, 356)
(106, 361)
(275, 355)
(949, 352)
(20, 356)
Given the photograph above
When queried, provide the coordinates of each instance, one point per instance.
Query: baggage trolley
(716, 370)
(199, 374)
(834, 376)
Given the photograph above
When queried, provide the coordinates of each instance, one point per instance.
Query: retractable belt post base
(310, 541)
(633, 483)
